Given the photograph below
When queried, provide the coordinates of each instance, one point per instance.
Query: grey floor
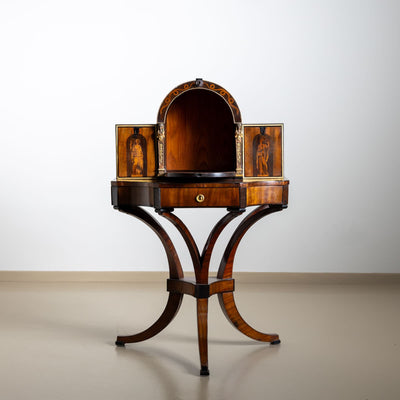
(338, 342)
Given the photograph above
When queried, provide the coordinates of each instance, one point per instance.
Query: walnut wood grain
(258, 195)
(201, 262)
(187, 197)
(200, 133)
(202, 288)
(175, 194)
(227, 302)
(175, 272)
(188, 238)
(200, 155)
(226, 265)
(194, 85)
(123, 133)
(202, 330)
(211, 240)
(273, 134)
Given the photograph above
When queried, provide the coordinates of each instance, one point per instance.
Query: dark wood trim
(194, 85)
(242, 196)
(200, 290)
(172, 194)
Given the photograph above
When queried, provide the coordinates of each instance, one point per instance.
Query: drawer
(199, 197)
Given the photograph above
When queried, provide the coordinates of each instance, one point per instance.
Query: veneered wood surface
(200, 133)
(123, 134)
(174, 194)
(226, 265)
(203, 85)
(201, 263)
(210, 243)
(202, 330)
(186, 197)
(259, 195)
(187, 237)
(203, 287)
(231, 312)
(274, 134)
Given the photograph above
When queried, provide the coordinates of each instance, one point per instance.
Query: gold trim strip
(263, 178)
(239, 147)
(142, 179)
(161, 169)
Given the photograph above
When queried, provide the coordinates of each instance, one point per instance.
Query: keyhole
(200, 198)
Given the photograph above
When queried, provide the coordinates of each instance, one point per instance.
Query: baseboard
(242, 277)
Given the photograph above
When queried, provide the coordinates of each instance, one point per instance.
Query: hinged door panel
(135, 152)
(263, 149)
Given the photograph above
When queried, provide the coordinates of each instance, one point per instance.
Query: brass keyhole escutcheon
(200, 198)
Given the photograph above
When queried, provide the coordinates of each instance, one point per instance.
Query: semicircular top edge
(195, 85)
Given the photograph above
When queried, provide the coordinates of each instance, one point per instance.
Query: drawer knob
(200, 198)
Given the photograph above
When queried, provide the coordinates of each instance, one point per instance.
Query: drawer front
(199, 197)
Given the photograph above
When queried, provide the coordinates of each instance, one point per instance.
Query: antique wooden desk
(199, 154)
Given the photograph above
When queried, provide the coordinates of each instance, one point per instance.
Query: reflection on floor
(338, 342)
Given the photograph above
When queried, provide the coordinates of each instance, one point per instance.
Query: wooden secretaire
(199, 154)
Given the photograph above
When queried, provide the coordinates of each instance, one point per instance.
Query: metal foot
(119, 344)
(276, 342)
(204, 370)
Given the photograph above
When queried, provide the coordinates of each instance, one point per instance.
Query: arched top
(198, 84)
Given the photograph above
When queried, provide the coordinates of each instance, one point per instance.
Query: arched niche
(199, 131)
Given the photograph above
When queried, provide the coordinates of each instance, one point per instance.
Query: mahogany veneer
(200, 155)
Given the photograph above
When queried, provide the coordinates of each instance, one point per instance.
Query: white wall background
(71, 70)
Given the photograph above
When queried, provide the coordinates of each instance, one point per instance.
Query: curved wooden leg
(175, 272)
(202, 315)
(187, 237)
(171, 309)
(211, 240)
(201, 266)
(227, 302)
(226, 265)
